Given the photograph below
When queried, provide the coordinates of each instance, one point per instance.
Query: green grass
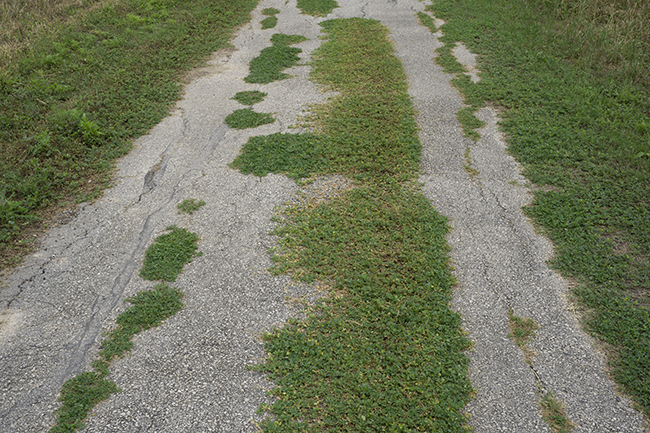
(167, 256)
(164, 260)
(190, 205)
(269, 22)
(247, 118)
(249, 97)
(270, 11)
(384, 352)
(580, 129)
(149, 310)
(79, 395)
(268, 66)
(73, 97)
(555, 415)
(83, 392)
(427, 21)
(317, 8)
(522, 330)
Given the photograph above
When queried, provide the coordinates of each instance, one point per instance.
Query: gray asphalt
(190, 373)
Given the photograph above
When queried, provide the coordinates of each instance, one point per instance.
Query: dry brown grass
(612, 34)
(25, 20)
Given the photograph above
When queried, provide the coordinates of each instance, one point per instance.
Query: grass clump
(165, 259)
(249, 97)
(271, 20)
(79, 395)
(149, 309)
(387, 353)
(83, 392)
(268, 66)
(247, 118)
(555, 415)
(317, 8)
(82, 80)
(295, 155)
(579, 127)
(190, 205)
(522, 330)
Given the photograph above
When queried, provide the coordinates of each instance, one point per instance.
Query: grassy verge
(72, 97)
(386, 352)
(579, 121)
(164, 260)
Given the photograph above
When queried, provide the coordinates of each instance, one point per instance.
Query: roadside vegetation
(572, 80)
(383, 351)
(164, 260)
(271, 20)
(78, 81)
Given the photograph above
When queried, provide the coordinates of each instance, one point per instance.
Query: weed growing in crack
(190, 205)
(427, 21)
(148, 309)
(555, 415)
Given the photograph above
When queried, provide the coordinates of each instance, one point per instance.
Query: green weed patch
(71, 101)
(190, 205)
(317, 8)
(247, 118)
(164, 260)
(271, 20)
(268, 66)
(83, 392)
(167, 256)
(387, 353)
(555, 415)
(295, 155)
(578, 129)
(249, 97)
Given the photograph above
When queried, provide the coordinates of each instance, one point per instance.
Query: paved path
(190, 373)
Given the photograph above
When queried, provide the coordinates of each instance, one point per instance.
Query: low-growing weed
(317, 8)
(249, 97)
(190, 205)
(268, 66)
(167, 256)
(247, 118)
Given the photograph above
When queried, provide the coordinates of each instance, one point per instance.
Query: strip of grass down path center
(388, 353)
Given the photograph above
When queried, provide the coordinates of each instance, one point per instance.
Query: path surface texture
(190, 373)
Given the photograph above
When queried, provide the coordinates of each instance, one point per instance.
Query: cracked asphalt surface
(190, 374)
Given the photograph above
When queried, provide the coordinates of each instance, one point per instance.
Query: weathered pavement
(190, 373)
